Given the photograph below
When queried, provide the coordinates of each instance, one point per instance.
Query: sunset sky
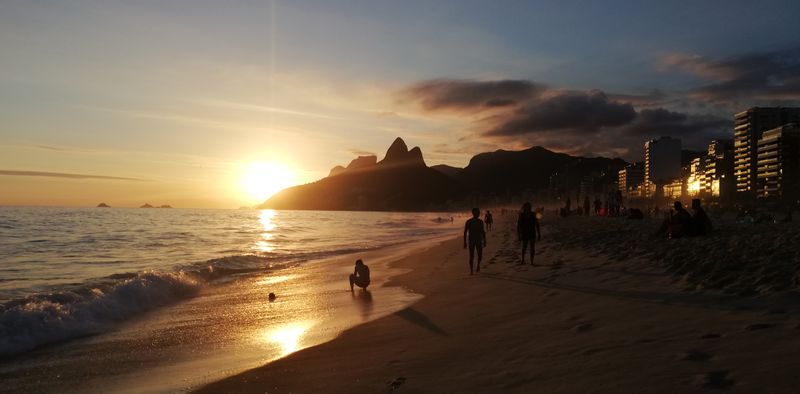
(172, 102)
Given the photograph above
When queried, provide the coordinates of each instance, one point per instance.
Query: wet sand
(577, 321)
(227, 329)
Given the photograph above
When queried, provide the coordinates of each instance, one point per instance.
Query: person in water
(528, 230)
(474, 232)
(489, 220)
(360, 275)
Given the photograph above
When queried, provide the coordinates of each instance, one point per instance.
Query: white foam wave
(28, 323)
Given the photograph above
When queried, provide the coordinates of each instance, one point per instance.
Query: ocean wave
(34, 321)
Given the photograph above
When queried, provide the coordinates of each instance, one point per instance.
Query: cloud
(361, 152)
(516, 114)
(260, 108)
(461, 95)
(765, 76)
(579, 112)
(66, 175)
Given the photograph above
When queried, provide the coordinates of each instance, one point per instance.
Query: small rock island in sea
(146, 206)
(103, 205)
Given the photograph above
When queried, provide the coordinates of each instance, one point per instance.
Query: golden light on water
(260, 180)
(288, 337)
(267, 225)
(275, 279)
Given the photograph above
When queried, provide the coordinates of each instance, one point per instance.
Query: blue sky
(184, 94)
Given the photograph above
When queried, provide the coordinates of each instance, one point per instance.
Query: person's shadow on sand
(364, 300)
(413, 316)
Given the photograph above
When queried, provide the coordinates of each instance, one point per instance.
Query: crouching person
(360, 275)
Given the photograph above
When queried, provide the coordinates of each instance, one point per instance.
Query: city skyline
(177, 104)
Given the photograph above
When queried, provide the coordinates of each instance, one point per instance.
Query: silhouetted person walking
(489, 220)
(586, 206)
(360, 275)
(473, 230)
(528, 230)
(597, 204)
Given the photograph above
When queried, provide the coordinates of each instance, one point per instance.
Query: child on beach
(360, 276)
(528, 230)
(477, 237)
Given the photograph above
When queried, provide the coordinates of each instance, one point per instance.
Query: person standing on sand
(528, 230)
(477, 238)
(489, 220)
(360, 276)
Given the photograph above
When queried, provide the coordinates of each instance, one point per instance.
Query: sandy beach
(582, 319)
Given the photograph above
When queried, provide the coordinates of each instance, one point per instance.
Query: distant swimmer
(528, 230)
(489, 220)
(473, 230)
(360, 275)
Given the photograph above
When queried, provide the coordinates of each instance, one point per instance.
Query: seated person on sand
(678, 224)
(474, 231)
(701, 224)
(360, 275)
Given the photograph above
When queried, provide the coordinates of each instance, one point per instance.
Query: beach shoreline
(227, 328)
(577, 321)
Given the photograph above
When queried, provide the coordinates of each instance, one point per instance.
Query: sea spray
(39, 320)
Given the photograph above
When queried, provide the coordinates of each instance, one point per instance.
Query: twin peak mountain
(398, 155)
(403, 182)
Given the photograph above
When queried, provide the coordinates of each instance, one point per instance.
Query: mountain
(401, 181)
(512, 172)
(447, 170)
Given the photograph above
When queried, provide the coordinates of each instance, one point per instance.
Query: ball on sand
(272, 297)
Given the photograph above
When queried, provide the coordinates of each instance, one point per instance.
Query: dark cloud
(470, 95)
(578, 112)
(656, 122)
(653, 98)
(766, 77)
(65, 175)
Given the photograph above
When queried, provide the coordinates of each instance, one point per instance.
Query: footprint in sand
(715, 380)
(583, 327)
(710, 336)
(759, 326)
(395, 384)
(696, 355)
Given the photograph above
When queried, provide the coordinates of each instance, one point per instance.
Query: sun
(261, 180)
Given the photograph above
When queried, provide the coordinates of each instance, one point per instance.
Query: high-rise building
(662, 163)
(630, 177)
(720, 181)
(749, 127)
(779, 163)
(696, 182)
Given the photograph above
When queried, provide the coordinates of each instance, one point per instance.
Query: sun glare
(262, 180)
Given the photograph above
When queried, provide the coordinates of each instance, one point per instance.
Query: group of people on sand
(528, 232)
(682, 224)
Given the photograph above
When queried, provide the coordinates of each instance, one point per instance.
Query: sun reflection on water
(288, 337)
(265, 244)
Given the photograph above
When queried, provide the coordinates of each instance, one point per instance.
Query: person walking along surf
(474, 231)
(489, 220)
(528, 230)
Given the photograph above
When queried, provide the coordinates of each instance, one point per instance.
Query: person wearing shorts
(476, 235)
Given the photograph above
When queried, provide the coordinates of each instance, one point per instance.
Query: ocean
(70, 273)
